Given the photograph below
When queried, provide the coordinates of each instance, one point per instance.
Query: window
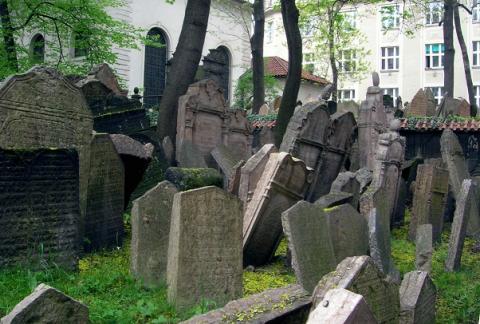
(434, 13)
(390, 17)
(269, 31)
(350, 18)
(434, 56)
(390, 58)
(392, 92)
(476, 11)
(80, 45)
(309, 62)
(37, 49)
(347, 61)
(345, 95)
(476, 53)
(477, 95)
(437, 93)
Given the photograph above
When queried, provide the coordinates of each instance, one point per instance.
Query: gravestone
(400, 204)
(151, 215)
(422, 104)
(189, 156)
(252, 171)
(453, 106)
(335, 199)
(168, 150)
(283, 183)
(347, 182)
(308, 234)
(234, 180)
(105, 197)
(429, 199)
(225, 159)
(47, 305)
(286, 305)
(417, 298)
(341, 306)
(359, 275)
(465, 202)
(40, 212)
(205, 248)
(25, 102)
(453, 157)
(187, 179)
(424, 248)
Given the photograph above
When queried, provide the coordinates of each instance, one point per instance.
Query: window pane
(427, 61)
(435, 61)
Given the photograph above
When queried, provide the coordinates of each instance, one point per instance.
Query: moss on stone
(192, 178)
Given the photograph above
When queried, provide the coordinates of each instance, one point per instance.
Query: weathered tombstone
(189, 156)
(417, 298)
(26, 100)
(225, 159)
(424, 248)
(364, 177)
(347, 182)
(453, 106)
(400, 204)
(453, 157)
(283, 183)
(308, 234)
(151, 215)
(47, 305)
(252, 171)
(264, 110)
(359, 275)
(105, 196)
(205, 248)
(287, 305)
(168, 150)
(465, 202)
(372, 121)
(421, 104)
(341, 306)
(431, 189)
(335, 199)
(187, 179)
(40, 211)
(234, 180)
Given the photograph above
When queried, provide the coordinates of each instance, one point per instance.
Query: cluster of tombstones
(337, 222)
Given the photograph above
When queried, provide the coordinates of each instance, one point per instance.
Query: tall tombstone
(151, 214)
(39, 210)
(421, 104)
(372, 121)
(453, 157)
(308, 234)
(283, 183)
(105, 197)
(225, 159)
(424, 248)
(465, 202)
(417, 298)
(42, 109)
(429, 199)
(359, 275)
(205, 248)
(252, 171)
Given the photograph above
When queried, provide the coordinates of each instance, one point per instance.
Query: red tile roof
(278, 67)
(263, 123)
(429, 125)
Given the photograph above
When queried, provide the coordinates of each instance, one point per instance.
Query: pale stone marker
(417, 298)
(341, 306)
(151, 215)
(205, 248)
(424, 248)
(225, 158)
(422, 104)
(234, 179)
(308, 234)
(47, 305)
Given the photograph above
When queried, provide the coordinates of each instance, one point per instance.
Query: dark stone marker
(417, 298)
(424, 248)
(333, 199)
(39, 210)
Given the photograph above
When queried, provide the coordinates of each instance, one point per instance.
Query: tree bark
(184, 64)
(331, 54)
(8, 37)
(466, 62)
(448, 68)
(290, 16)
(256, 43)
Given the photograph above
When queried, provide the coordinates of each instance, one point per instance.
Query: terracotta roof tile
(278, 67)
(427, 125)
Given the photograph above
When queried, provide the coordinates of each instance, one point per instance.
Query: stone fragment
(335, 199)
(465, 201)
(189, 156)
(359, 275)
(308, 234)
(341, 306)
(187, 179)
(252, 171)
(151, 215)
(205, 248)
(105, 197)
(424, 248)
(417, 298)
(225, 159)
(453, 106)
(47, 305)
(284, 182)
(400, 204)
(287, 305)
(364, 176)
(234, 180)
(347, 182)
(422, 104)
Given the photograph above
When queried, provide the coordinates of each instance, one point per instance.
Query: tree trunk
(290, 16)
(256, 43)
(333, 61)
(448, 68)
(184, 64)
(466, 63)
(8, 37)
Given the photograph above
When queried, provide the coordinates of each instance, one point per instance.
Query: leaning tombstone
(225, 159)
(424, 248)
(151, 215)
(205, 248)
(341, 306)
(283, 183)
(465, 201)
(417, 298)
(47, 305)
(333, 199)
(234, 180)
(347, 182)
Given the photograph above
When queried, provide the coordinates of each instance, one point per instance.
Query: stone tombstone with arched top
(217, 67)
(155, 71)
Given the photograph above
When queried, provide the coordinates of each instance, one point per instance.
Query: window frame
(476, 90)
(385, 57)
(438, 93)
(394, 95)
(341, 95)
(270, 31)
(431, 55)
(350, 16)
(351, 61)
(476, 12)
(476, 54)
(393, 17)
(435, 8)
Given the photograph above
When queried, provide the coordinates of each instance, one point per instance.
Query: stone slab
(335, 198)
(417, 298)
(424, 248)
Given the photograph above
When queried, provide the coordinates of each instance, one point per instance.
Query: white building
(404, 63)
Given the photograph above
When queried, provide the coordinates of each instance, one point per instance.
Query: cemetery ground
(105, 284)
